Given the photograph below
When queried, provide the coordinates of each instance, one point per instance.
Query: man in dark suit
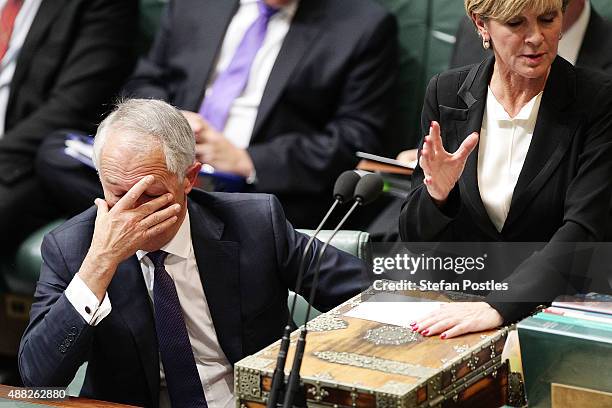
(215, 266)
(590, 46)
(317, 91)
(60, 61)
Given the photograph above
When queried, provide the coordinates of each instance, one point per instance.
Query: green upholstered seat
(21, 273)
(426, 37)
(353, 242)
(603, 7)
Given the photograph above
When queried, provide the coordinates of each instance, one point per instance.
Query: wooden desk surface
(74, 402)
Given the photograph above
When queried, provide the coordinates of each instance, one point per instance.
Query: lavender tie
(184, 385)
(231, 82)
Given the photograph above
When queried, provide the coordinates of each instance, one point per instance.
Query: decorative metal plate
(325, 375)
(516, 390)
(248, 384)
(398, 388)
(257, 363)
(391, 335)
(462, 348)
(375, 363)
(327, 322)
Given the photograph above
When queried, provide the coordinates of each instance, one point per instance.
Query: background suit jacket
(595, 52)
(563, 190)
(247, 255)
(328, 95)
(75, 57)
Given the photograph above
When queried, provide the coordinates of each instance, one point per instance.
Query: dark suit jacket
(74, 59)
(564, 187)
(595, 53)
(328, 95)
(247, 256)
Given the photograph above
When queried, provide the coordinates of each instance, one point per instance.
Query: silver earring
(486, 44)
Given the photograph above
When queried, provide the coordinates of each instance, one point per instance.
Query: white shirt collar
(570, 44)
(179, 245)
(496, 111)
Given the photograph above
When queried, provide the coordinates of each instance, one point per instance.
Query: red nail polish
(443, 336)
(426, 333)
(412, 324)
(415, 328)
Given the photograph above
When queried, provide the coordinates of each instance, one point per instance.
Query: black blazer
(74, 59)
(564, 187)
(595, 52)
(247, 255)
(328, 95)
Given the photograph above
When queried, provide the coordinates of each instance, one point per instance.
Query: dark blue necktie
(182, 379)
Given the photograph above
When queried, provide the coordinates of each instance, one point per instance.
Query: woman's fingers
(436, 138)
(426, 321)
(455, 319)
(467, 147)
(432, 154)
(455, 331)
(439, 327)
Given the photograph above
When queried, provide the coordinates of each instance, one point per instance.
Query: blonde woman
(517, 148)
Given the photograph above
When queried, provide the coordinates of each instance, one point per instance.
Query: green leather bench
(21, 272)
(426, 37)
(603, 7)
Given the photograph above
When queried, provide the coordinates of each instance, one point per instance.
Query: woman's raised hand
(441, 168)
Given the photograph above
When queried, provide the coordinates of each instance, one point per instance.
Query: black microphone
(369, 187)
(344, 189)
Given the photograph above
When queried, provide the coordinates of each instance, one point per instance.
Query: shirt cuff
(86, 303)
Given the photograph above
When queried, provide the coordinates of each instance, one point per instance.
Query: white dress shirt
(22, 25)
(241, 119)
(571, 42)
(503, 146)
(215, 371)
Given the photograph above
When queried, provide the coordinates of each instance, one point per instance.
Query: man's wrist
(96, 272)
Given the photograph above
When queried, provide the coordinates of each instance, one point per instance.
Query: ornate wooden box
(352, 362)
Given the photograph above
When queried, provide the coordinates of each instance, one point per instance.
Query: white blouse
(504, 142)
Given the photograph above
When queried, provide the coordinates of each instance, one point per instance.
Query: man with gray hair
(161, 291)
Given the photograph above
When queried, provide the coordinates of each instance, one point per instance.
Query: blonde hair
(504, 10)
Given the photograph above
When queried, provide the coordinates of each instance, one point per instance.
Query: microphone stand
(294, 377)
(278, 377)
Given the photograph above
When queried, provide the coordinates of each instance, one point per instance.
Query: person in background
(60, 62)
(586, 39)
(280, 92)
(160, 287)
(517, 148)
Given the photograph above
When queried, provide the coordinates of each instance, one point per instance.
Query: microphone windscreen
(369, 188)
(345, 185)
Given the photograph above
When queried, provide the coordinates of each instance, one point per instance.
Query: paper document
(395, 313)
